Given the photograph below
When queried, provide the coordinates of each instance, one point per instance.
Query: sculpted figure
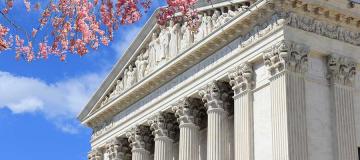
(224, 17)
(214, 19)
(163, 53)
(125, 79)
(131, 76)
(233, 13)
(200, 32)
(119, 86)
(137, 64)
(174, 39)
(187, 37)
(153, 50)
(141, 66)
(105, 100)
(208, 25)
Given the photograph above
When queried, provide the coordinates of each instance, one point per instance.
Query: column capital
(164, 124)
(216, 94)
(341, 70)
(188, 111)
(117, 148)
(286, 56)
(95, 154)
(242, 78)
(140, 137)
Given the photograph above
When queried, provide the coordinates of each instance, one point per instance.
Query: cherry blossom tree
(76, 26)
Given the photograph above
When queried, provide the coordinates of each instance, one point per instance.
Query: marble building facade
(259, 80)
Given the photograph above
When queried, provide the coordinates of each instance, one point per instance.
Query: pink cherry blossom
(75, 26)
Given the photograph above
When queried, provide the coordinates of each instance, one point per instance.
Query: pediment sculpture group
(168, 42)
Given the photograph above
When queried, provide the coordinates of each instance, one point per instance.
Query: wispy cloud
(60, 102)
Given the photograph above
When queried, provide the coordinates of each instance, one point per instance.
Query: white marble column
(287, 64)
(187, 113)
(341, 74)
(242, 82)
(216, 97)
(96, 154)
(140, 142)
(163, 127)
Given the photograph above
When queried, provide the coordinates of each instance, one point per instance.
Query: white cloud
(60, 102)
(29, 104)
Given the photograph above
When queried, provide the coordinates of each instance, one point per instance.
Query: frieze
(102, 128)
(334, 31)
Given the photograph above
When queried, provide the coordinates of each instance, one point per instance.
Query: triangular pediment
(140, 60)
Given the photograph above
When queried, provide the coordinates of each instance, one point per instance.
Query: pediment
(140, 59)
(161, 52)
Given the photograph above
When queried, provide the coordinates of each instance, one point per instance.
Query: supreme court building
(259, 80)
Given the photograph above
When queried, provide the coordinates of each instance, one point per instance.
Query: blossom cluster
(77, 25)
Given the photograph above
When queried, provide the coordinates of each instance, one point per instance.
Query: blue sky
(39, 101)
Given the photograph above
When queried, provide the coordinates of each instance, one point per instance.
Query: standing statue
(137, 65)
(214, 20)
(174, 39)
(209, 26)
(164, 38)
(224, 17)
(187, 37)
(153, 50)
(125, 79)
(131, 76)
(119, 86)
(141, 66)
(199, 35)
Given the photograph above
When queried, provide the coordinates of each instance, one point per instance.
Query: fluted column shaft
(288, 112)
(345, 134)
(163, 148)
(286, 62)
(217, 136)
(341, 73)
(188, 113)
(242, 82)
(243, 127)
(189, 142)
(216, 96)
(140, 154)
